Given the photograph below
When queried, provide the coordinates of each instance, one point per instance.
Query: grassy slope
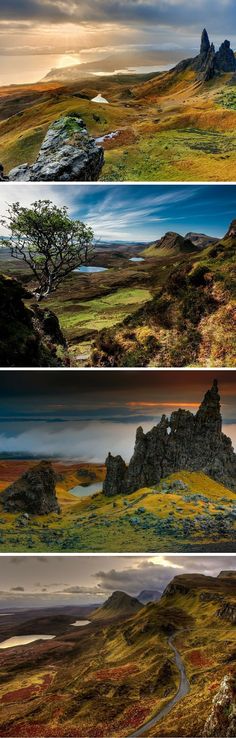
(190, 321)
(170, 128)
(99, 523)
(110, 678)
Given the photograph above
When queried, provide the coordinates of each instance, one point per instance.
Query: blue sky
(136, 212)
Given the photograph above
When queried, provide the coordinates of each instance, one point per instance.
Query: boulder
(67, 154)
(185, 441)
(34, 493)
(29, 336)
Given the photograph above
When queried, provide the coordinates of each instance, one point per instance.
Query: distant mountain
(227, 575)
(171, 243)
(149, 595)
(119, 60)
(200, 239)
(118, 604)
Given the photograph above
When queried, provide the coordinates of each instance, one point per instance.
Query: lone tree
(45, 237)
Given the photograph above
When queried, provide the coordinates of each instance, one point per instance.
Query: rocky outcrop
(67, 154)
(222, 719)
(225, 59)
(209, 63)
(185, 441)
(34, 493)
(28, 336)
(205, 43)
(115, 481)
(231, 233)
(228, 612)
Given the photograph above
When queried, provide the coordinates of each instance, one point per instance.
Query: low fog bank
(76, 441)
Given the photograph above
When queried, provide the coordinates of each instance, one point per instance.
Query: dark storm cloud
(26, 384)
(150, 575)
(137, 12)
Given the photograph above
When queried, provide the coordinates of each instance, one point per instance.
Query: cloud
(157, 572)
(80, 441)
(138, 12)
(17, 589)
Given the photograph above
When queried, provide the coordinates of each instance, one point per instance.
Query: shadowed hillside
(112, 678)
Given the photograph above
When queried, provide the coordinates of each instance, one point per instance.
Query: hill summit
(119, 603)
(185, 441)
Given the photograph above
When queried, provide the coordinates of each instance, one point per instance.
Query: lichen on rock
(67, 154)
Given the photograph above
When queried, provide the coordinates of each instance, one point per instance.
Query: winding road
(183, 690)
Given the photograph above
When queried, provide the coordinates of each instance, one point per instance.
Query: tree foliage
(48, 240)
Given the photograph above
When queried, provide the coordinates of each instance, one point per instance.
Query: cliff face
(28, 336)
(185, 441)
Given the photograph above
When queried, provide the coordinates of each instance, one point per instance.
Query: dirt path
(182, 691)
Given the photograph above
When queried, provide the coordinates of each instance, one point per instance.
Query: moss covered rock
(28, 336)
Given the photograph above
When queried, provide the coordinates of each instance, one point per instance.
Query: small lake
(23, 640)
(79, 623)
(90, 269)
(137, 258)
(83, 490)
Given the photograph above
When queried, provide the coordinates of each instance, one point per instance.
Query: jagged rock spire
(186, 441)
(209, 415)
(205, 43)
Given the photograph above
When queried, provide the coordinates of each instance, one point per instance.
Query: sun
(68, 60)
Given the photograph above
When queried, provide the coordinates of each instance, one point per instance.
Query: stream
(182, 691)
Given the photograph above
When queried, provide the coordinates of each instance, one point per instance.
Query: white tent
(100, 99)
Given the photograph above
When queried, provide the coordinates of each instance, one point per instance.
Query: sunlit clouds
(60, 580)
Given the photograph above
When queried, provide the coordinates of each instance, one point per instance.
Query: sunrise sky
(83, 415)
(63, 32)
(62, 580)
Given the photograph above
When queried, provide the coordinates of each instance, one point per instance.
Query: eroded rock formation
(29, 336)
(185, 441)
(222, 720)
(33, 493)
(209, 62)
(67, 154)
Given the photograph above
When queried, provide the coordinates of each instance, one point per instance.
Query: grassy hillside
(163, 518)
(170, 127)
(110, 678)
(189, 322)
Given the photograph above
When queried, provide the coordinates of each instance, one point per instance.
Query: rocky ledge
(67, 154)
(185, 441)
(34, 493)
(29, 336)
(222, 719)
